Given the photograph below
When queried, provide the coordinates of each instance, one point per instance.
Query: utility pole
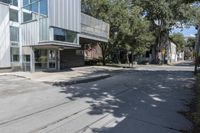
(197, 51)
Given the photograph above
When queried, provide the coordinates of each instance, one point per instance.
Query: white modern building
(38, 35)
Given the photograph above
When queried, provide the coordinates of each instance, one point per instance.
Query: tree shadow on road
(136, 101)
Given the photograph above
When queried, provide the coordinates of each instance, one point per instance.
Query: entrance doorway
(52, 56)
(45, 59)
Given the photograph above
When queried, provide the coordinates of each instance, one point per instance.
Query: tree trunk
(158, 44)
(103, 59)
(118, 57)
(103, 49)
(154, 53)
(127, 58)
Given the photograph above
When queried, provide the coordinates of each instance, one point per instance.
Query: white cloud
(191, 35)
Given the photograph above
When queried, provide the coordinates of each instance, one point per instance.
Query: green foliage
(140, 38)
(136, 25)
(128, 29)
(191, 42)
(195, 16)
(163, 16)
(179, 39)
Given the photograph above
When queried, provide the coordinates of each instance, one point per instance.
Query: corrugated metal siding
(4, 37)
(94, 27)
(65, 14)
(30, 33)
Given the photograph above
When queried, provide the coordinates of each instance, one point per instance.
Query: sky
(187, 32)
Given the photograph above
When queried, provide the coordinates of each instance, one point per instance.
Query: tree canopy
(179, 39)
(138, 25)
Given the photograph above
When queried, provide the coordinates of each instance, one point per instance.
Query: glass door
(41, 59)
(52, 54)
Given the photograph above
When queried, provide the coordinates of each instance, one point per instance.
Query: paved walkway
(74, 74)
(83, 73)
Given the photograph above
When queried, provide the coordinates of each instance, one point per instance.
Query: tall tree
(139, 38)
(163, 15)
(179, 39)
(191, 41)
(115, 12)
(129, 30)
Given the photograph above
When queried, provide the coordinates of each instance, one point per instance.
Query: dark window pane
(26, 58)
(52, 65)
(27, 17)
(43, 7)
(65, 35)
(14, 34)
(71, 36)
(15, 2)
(59, 34)
(40, 55)
(14, 15)
(14, 54)
(12, 2)
(6, 1)
(25, 2)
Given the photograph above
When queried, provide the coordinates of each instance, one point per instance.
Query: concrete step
(5, 70)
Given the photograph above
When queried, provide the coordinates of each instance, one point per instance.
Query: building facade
(39, 35)
(171, 52)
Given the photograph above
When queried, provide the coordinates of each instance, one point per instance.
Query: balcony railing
(94, 27)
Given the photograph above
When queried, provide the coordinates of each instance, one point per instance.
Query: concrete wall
(65, 14)
(4, 37)
(171, 53)
(71, 58)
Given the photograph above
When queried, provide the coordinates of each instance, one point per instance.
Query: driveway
(145, 100)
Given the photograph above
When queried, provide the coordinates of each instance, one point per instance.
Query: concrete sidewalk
(72, 76)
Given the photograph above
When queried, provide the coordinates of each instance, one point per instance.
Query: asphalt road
(145, 100)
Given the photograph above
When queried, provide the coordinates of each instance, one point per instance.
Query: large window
(12, 2)
(27, 17)
(33, 9)
(14, 34)
(14, 51)
(14, 15)
(41, 59)
(37, 6)
(65, 35)
(26, 63)
(59, 34)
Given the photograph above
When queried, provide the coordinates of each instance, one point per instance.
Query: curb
(80, 80)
